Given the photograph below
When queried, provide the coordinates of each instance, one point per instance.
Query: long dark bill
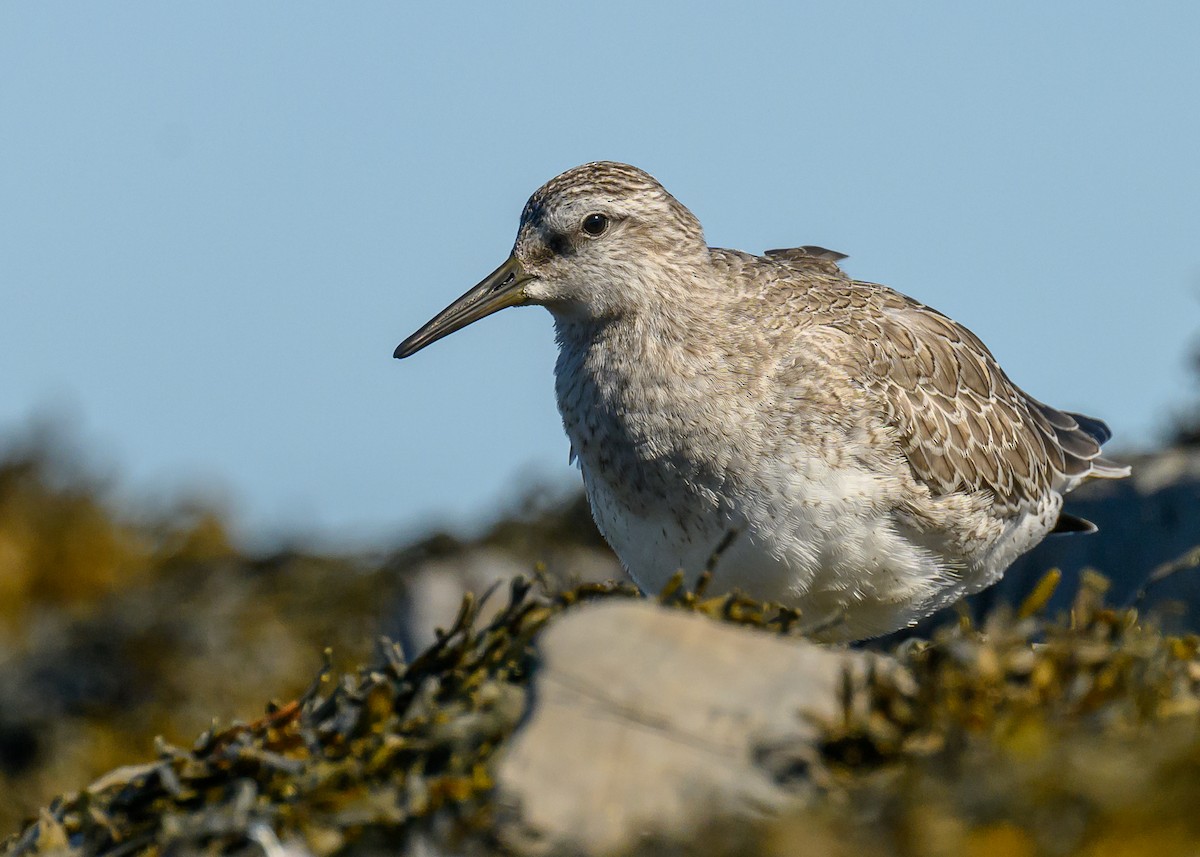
(504, 287)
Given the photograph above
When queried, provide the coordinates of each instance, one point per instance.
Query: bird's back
(962, 424)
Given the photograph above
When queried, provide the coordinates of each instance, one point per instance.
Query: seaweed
(1025, 733)
(373, 753)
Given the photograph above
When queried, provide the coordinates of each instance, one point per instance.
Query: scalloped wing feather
(963, 425)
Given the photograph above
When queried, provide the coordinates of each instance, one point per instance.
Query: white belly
(821, 540)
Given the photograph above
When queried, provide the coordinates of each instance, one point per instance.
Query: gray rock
(434, 589)
(650, 723)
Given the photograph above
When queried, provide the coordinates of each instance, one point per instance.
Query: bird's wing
(963, 425)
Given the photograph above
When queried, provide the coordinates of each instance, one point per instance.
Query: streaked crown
(633, 191)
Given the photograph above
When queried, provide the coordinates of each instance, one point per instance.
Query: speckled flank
(873, 459)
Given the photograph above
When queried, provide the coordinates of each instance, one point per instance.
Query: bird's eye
(595, 224)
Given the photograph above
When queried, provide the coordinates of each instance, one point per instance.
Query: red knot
(851, 452)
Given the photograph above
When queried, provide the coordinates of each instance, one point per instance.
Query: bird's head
(597, 241)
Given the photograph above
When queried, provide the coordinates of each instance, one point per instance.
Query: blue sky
(217, 220)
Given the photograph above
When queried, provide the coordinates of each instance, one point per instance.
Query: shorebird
(822, 442)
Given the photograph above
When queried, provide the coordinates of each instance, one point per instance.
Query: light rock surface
(434, 590)
(649, 723)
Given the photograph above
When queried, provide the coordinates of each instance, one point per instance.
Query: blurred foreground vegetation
(1079, 735)
(113, 631)
(1024, 734)
(115, 628)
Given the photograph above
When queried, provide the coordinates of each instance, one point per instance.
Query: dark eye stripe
(558, 244)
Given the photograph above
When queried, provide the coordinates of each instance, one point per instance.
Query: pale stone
(649, 723)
